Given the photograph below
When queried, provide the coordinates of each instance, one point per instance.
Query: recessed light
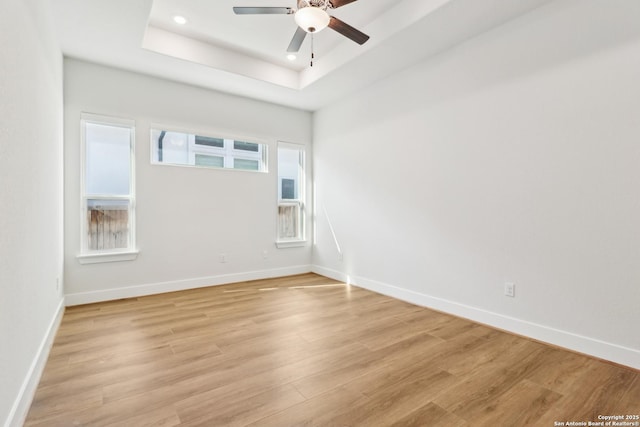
(179, 19)
(291, 57)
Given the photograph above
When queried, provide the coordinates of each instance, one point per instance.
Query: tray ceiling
(246, 55)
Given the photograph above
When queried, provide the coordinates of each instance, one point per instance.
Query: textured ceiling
(246, 54)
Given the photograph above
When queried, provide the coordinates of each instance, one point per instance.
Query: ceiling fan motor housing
(320, 4)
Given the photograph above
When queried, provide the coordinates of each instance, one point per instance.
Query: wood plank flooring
(309, 351)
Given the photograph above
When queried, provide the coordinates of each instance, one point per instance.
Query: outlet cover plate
(510, 289)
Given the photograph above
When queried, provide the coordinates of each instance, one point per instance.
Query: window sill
(107, 257)
(290, 244)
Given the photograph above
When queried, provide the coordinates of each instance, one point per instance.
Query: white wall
(512, 157)
(30, 200)
(186, 217)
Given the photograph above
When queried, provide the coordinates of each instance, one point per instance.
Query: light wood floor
(309, 351)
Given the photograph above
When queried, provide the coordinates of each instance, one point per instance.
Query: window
(107, 199)
(291, 159)
(186, 149)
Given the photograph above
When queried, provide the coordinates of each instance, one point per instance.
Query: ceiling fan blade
(263, 10)
(348, 31)
(339, 3)
(297, 40)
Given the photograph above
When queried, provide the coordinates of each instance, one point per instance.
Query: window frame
(228, 152)
(299, 202)
(90, 256)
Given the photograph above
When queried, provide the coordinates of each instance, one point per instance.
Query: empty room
(320, 213)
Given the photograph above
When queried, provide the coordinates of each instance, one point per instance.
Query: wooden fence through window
(107, 228)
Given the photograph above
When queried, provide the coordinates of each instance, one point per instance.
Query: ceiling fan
(311, 16)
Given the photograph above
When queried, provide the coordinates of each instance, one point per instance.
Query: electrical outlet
(510, 289)
(223, 258)
(265, 254)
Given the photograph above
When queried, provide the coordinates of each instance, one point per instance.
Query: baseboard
(332, 274)
(179, 285)
(579, 343)
(21, 406)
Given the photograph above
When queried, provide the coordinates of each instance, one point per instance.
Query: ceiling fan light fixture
(312, 19)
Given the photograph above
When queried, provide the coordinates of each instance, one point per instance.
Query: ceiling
(246, 54)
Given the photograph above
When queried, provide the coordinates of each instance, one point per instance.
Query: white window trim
(114, 255)
(302, 240)
(284, 244)
(95, 258)
(228, 153)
